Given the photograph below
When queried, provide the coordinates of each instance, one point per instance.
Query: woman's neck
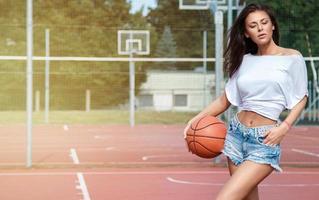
(268, 49)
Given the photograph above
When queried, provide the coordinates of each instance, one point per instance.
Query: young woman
(264, 80)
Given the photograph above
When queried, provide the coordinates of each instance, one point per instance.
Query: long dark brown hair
(238, 44)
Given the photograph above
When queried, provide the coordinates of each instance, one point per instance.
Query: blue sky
(137, 4)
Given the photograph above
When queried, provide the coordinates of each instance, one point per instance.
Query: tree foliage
(186, 26)
(89, 28)
(166, 47)
(77, 28)
(296, 20)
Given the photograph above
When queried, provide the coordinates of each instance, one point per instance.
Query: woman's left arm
(275, 135)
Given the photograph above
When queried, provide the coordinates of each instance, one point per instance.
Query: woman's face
(259, 28)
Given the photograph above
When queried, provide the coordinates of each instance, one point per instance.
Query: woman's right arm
(214, 109)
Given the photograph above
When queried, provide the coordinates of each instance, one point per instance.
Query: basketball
(205, 137)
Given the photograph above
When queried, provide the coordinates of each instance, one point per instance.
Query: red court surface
(146, 162)
(153, 183)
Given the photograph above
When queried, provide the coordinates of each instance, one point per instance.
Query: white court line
(65, 127)
(109, 148)
(97, 149)
(102, 137)
(74, 156)
(305, 152)
(82, 186)
(142, 173)
(221, 184)
(192, 183)
(159, 156)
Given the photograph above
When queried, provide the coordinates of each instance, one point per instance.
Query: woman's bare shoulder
(287, 51)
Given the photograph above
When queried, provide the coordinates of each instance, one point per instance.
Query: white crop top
(268, 84)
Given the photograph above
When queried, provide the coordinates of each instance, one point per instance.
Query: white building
(176, 90)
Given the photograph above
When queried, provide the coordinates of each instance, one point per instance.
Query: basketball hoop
(214, 5)
(133, 41)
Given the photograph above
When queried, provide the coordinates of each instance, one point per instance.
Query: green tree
(187, 27)
(77, 28)
(296, 20)
(166, 47)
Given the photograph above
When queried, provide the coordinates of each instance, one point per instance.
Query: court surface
(145, 162)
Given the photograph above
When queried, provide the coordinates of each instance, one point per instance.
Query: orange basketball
(205, 137)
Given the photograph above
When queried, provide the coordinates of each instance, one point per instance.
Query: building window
(180, 100)
(146, 100)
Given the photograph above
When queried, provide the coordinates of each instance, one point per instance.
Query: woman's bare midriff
(252, 119)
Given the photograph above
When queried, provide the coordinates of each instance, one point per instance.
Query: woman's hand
(215, 108)
(189, 123)
(275, 135)
(186, 128)
(185, 133)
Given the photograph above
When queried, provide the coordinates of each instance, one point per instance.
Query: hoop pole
(229, 14)
(29, 83)
(132, 84)
(219, 51)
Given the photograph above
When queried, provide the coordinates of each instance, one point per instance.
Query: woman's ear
(246, 35)
(273, 28)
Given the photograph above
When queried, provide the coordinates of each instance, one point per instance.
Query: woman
(265, 79)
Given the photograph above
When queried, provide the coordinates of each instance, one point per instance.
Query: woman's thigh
(247, 176)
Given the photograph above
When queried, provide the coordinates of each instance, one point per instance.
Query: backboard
(201, 4)
(133, 41)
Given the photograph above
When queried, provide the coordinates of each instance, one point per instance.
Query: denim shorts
(246, 143)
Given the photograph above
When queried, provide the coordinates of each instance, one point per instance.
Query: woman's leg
(253, 195)
(248, 175)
